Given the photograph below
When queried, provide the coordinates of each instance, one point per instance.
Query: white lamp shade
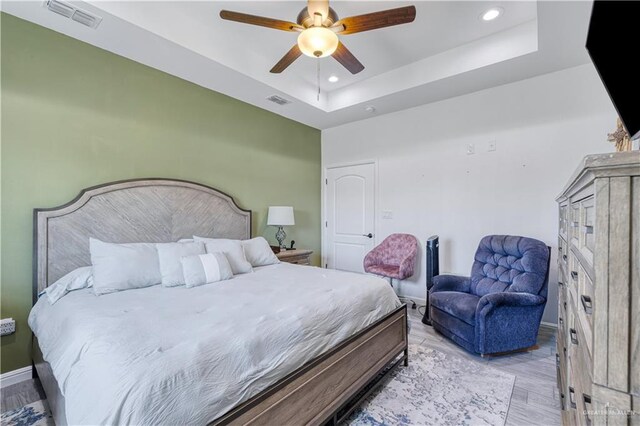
(280, 216)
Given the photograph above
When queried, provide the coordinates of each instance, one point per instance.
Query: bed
(286, 344)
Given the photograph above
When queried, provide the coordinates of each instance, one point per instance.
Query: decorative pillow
(258, 252)
(170, 255)
(205, 268)
(232, 249)
(75, 280)
(118, 267)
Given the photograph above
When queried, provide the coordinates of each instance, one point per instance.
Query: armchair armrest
(451, 283)
(490, 301)
(507, 321)
(372, 258)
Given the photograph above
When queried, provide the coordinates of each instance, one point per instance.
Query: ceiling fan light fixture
(318, 42)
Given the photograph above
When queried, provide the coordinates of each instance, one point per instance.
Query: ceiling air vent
(278, 100)
(68, 11)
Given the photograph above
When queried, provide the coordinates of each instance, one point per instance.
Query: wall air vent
(278, 100)
(68, 11)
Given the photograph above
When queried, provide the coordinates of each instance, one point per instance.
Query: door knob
(369, 235)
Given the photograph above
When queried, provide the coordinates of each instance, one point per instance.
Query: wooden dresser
(598, 358)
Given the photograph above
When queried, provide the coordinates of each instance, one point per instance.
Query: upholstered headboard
(142, 210)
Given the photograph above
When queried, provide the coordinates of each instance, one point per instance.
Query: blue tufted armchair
(498, 308)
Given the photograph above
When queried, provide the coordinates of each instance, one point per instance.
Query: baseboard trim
(16, 376)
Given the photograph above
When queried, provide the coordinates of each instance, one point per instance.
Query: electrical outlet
(7, 326)
(491, 146)
(471, 149)
(387, 214)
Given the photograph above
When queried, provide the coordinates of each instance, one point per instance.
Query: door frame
(323, 213)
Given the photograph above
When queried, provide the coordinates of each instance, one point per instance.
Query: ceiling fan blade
(375, 20)
(293, 54)
(259, 20)
(346, 58)
(318, 6)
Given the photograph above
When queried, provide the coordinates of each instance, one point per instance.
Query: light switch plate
(491, 146)
(387, 214)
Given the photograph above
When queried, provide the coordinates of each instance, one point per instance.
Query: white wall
(542, 127)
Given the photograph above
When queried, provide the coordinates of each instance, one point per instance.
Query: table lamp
(280, 216)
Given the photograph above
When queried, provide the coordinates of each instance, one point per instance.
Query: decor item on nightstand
(281, 216)
(499, 308)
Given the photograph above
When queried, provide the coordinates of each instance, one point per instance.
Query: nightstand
(296, 256)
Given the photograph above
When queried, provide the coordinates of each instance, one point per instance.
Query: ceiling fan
(319, 28)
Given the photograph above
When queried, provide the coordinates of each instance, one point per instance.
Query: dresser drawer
(586, 231)
(584, 302)
(574, 223)
(563, 220)
(563, 252)
(579, 393)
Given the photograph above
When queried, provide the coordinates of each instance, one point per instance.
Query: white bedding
(188, 355)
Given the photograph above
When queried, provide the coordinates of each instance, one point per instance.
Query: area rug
(34, 414)
(436, 389)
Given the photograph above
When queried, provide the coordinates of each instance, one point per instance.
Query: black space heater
(433, 269)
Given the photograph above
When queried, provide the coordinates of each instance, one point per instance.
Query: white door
(349, 216)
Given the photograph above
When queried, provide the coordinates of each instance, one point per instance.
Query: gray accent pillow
(232, 249)
(118, 267)
(170, 256)
(258, 252)
(205, 268)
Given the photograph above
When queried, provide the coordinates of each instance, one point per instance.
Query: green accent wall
(74, 116)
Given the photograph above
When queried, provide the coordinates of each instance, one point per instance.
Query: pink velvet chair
(394, 258)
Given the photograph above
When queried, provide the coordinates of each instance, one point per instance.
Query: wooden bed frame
(325, 390)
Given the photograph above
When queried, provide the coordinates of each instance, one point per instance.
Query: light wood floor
(535, 399)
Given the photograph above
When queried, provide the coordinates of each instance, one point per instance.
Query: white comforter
(186, 356)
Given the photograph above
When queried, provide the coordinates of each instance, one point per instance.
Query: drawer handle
(564, 257)
(588, 229)
(565, 305)
(572, 397)
(560, 283)
(557, 360)
(587, 401)
(574, 275)
(586, 304)
(574, 336)
(560, 320)
(562, 400)
(559, 248)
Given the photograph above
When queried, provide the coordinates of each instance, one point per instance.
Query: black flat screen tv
(613, 42)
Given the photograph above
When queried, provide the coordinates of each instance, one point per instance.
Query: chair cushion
(457, 304)
(509, 263)
(392, 271)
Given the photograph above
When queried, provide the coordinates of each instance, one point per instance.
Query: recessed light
(491, 14)
(370, 109)
(333, 79)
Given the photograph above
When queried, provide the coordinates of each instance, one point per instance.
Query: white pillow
(118, 267)
(205, 268)
(169, 256)
(232, 249)
(258, 252)
(75, 280)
